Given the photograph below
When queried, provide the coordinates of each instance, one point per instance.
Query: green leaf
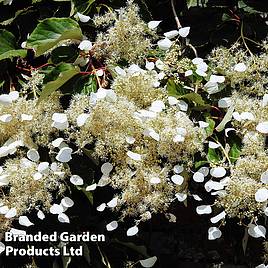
(200, 164)
(140, 249)
(192, 3)
(14, 53)
(235, 149)
(64, 54)
(63, 73)
(90, 85)
(88, 194)
(8, 46)
(212, 156)
(7, 41)
(227, 118)
(174, 89)
(210, 129)
(50, 32)
(194, 97)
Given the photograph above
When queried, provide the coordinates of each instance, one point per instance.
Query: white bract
(148, 262)
(60, 121)
(85, 45)
(157, 106)
(171, 34)
(264, 177)
(6, 118)
(11, 213)
(213, 185)
(188, 73)
(67, 202)
(43, 167)
(91, 187)
(154, 24)
(216, 78)
(181, 196)
(213, 145)
(33, 155)
(64, 155)
(134, 156)
(111, 226)
(81, 119)
(211, 87)
(101, 207)
(203, 209)
(130, 139)
(149, 65)
(24, 220)
(183, 105)
(63, 218)
(83, 18)
(5, 99)
(265, 100)
(240, 67)
(151, 133)
(203, 124)
(225, 102)
(155, 180)
(164, 44)
(256, 231)
(2, 247)
(57, 142)
(37, 176)
(218, 172)
(132, 231)
(214, 233)
(56, 209)
(262, 127)
(76, 180)
(106, 168)
(178, 169)
(40, 215)
(183, 32)
(198, 177)
(112, 203)
(197, 197)
(4, 179)
(161, 66)
(120, 71)
(261, 195)
(218, 217)
(177, 179)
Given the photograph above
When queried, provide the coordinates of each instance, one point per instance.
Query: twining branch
(175, 14)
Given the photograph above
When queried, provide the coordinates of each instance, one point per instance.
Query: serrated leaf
(8, 46)
(210, 129)
(51, 31)
(88, 194)
(14, 53)
(227, 118)
(174, 89)
(140, 249)
(212, 156)
(64, 72)
(64, 54)
(194, 97)
(235, 151)
(200, 164)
